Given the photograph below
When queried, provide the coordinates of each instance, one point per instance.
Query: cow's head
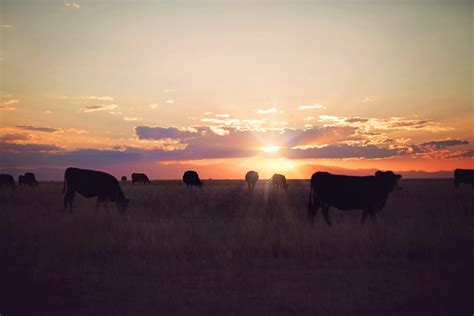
(388, 179)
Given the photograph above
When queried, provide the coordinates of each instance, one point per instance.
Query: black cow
(21, 180)
(7, 181)
(463, 176)
(348, 193)
(140, 178)
(251, 177)
(191, 178)
(28, 179)
(279, 181)
(91, 183)
(124, 179)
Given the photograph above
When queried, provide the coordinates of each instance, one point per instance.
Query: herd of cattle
(367, 193)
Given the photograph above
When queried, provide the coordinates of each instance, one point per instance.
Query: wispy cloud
(170, 101)
(100, 98)
(10, 102)
(6, 26)
(266, 111)
(38, 129)
(72, 5)
(310, 107)
(369, 99)
(223, 115)
(96, 108)
(130, 118)
(153, 106)
(6, 108)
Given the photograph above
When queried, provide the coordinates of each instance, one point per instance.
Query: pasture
(222, 250)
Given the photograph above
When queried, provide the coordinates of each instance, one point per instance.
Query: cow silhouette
(91, 183)
(27, 179)
(7, 181)
(465, 176)
(368, 193)
(251, 177)
(191, 178)
(140, 178)
(123, 179)
(279, 181)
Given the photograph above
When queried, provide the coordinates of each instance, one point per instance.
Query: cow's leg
(68, 198)
(372, 214)
(325, 211)
(249, 185)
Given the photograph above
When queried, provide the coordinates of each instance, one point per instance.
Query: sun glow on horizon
(270, 149)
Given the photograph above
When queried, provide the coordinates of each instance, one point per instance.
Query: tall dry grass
(223, 250)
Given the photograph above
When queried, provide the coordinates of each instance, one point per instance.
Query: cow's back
(91, 183)
(464, 175)
(344, 192)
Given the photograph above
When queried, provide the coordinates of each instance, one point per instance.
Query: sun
(270, 149)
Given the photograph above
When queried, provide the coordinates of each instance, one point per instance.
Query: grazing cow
(140, 178)
(7, 181)
(348, 193)
(463, 176)
(251, 177)
(21, 180)
(279, 181)
(28, 179)
(124, 179)
(90, 183)
(191, 178)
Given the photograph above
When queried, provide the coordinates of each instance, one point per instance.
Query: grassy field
(224, 251)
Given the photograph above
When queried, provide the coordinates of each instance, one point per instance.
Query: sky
(228, 86)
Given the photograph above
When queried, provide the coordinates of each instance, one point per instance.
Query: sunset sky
(227, 86)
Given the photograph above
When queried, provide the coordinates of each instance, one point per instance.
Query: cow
(279, 181)
(191, 178)
(7, 181)
(463, 176)
(91, 183)
(367, 193)
(140, 178)
(124, 179)
(21, 180)
(251, 177)
(28, 179)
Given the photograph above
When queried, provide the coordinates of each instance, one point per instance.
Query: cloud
(356, 120)
(170, 101)
(38, 129)
(48, 112)
(128, 118)
(158, 133)
(153, 106)
(266, 111)
(343, 151)
(11, 148)
(96, 108)
(6, 108)
(369, 99)
(14, 136)
(466, 154)
(310, 107)
(6, 26)
(10, 102)
(72, 5)
(104, 98)
(445, 143)
(222, 115)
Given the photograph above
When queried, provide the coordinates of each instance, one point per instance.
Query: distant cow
(348, 193)
(191, 178)
(279, 181)
(251, 177)
(28, 179)
(7, 181)
(124, 179)
(21, 180)
(140, 178)
(90, 183)
(463, 176)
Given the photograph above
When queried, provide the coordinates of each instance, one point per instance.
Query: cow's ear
(378, 173)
